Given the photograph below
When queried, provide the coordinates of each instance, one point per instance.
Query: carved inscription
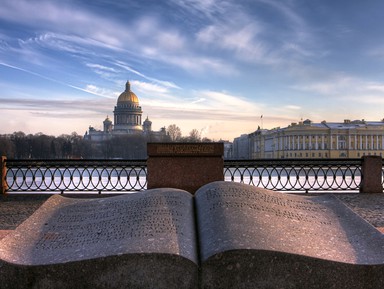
(260, 219)
(297, 210)
(185, 149)
(77, 226)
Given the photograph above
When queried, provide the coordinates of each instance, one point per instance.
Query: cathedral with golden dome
(126, 120)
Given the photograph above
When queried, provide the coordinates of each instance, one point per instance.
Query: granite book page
(127, 241)
(250, 235)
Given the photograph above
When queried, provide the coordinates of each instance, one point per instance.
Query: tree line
(19, 145)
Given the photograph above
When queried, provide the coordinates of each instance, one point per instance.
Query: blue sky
(211, 65)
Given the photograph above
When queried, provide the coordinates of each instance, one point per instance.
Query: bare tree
(194, 136)
(174, 132)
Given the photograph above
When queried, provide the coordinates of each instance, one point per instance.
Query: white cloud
(379, 87)
(344, 87)
(149, 88)
(207, 8)
(242, 39)
(79, 32)
(228, 102)
(100, 67)
(293, 107)
(90, 88)
(62, 18)
(126, 67)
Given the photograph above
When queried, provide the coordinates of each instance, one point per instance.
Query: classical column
(382, 142)
(372, 143)
(361, 141)
(349, 142)
(337, 142)
(286, 145)
(322, 142)
(282, 143)
(310, 142)
(289, 142)
(377, 142)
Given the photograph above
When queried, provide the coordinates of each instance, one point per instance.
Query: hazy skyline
(211, 65)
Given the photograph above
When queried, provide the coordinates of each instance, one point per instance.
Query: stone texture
(16, 208)
(186, 166)
(248, 238)
(252, 237)
(128, 241)
(144, 271)
(371, 170)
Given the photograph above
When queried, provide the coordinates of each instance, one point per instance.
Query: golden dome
(128, 95)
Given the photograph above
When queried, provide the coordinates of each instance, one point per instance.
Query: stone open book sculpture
(228, 235)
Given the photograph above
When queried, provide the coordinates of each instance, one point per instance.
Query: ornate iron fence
(314, 175)
(310, 175)
(75, 175)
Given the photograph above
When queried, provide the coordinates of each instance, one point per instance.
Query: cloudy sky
(212, 65)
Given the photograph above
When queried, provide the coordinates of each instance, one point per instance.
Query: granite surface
(219, 270)
(243, 228)
(186, 166)
(127, 241)
(144, 271)
(16, 208)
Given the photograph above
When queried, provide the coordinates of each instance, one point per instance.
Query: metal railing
(311, 175)
(75, 175)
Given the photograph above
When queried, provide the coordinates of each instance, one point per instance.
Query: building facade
(348, 139)
(241, 147)
(127, 120)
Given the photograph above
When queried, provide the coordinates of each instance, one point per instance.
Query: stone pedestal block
(185, 166)
(371, 170)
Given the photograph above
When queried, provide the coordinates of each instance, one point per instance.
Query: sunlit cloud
(222, 100)
(379, 87)
(346, 88)
(126, 67)
(293, 107)
(98, 91)
(149, 88)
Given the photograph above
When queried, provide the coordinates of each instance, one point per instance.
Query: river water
(128, 180)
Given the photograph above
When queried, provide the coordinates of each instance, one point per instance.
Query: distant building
(348, 139)
(228, 149)
(127, 120)
(241, 147)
